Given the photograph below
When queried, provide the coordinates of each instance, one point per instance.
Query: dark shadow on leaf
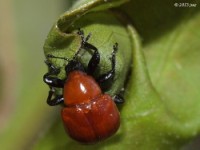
(153, 19)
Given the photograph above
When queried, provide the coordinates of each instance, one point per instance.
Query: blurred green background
(24, 25)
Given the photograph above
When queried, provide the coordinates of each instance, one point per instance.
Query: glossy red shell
(91, 122)
(80, 88)
(89, 115)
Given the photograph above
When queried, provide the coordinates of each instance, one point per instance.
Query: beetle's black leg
(55, 101)
(92, 65)
(110, 74)
(81, 33)
(94, 61)
(118, 99)
(107, 77)
(52, 81)
(84, 40)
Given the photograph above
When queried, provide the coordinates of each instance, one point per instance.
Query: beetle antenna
(52, 56)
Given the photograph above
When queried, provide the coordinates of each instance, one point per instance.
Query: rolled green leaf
(105, 28)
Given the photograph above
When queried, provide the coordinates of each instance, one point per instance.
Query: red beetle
(89, 115)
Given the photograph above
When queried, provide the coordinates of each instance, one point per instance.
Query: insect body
(89, 115)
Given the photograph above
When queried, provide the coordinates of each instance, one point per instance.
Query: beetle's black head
(74, 65)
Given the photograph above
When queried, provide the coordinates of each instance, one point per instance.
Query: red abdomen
(93, 121)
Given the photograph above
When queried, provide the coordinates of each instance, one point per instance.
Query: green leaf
(171, 47)
(82, 7)
(173, 62)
